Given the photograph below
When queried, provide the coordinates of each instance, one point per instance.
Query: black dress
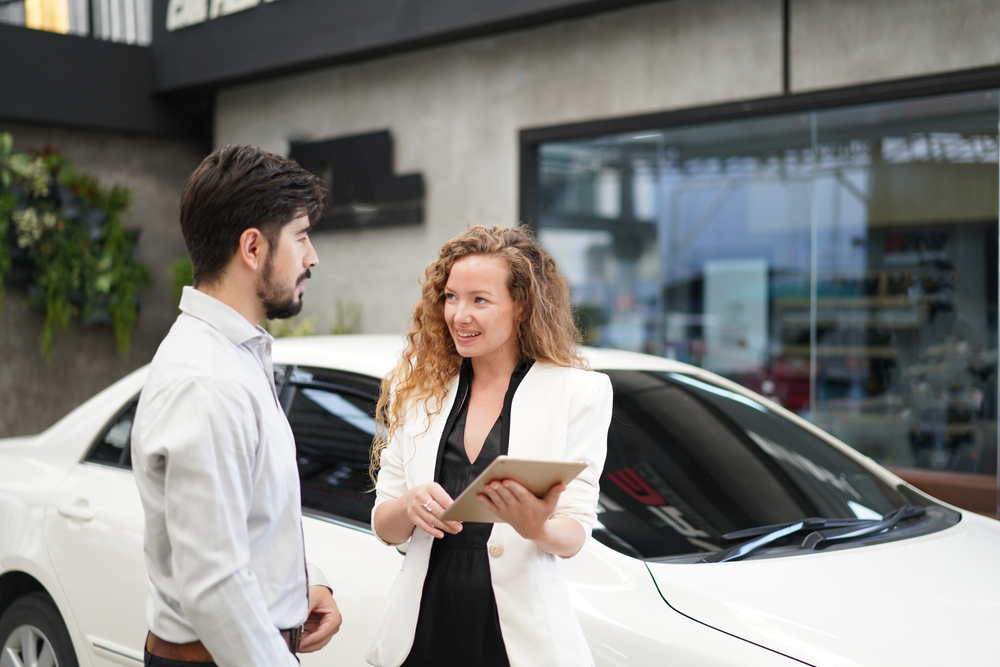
(458, 623)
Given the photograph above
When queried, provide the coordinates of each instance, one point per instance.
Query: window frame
(530, 139)
(126, 455)
(350, 384)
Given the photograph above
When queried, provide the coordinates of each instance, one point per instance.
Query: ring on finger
(427, 507)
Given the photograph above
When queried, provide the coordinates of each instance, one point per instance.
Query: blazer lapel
(527, 417)
(426, 445)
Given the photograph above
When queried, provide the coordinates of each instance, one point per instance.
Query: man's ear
(252, 250)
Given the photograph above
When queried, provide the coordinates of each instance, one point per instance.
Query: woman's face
(479, 310)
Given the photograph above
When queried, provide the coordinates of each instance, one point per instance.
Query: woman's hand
(530, 516)
(424, 504)
(420, 508)
(525, 513)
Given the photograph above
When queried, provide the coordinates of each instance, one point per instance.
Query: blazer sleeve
(587, 440)
(391, 482)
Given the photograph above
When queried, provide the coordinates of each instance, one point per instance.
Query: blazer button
(496, 550)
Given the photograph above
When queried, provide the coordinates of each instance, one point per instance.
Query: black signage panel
(362, 190)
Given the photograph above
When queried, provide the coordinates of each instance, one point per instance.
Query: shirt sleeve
(207, 435)
(316, 576)
(587, 440)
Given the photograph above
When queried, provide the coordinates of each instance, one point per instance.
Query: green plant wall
(62, 240)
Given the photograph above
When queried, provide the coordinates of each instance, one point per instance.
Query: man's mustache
(306, 275)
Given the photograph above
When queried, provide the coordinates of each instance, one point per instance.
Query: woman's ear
(522, 312)
(520, 318)
(252, 249)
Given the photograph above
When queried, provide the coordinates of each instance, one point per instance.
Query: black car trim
(326, 517)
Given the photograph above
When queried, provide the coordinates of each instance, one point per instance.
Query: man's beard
(278, 304)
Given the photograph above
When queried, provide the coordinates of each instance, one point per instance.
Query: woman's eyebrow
(448, 288)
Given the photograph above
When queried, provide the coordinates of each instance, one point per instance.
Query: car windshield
(690, 460)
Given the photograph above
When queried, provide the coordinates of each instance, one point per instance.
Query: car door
(93, 531)
(94, 521)
(331, 414)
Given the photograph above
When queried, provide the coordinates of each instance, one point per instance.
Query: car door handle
(78, 510)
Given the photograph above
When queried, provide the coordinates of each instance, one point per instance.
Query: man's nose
(312, 257)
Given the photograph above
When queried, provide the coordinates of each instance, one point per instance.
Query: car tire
(33, 634)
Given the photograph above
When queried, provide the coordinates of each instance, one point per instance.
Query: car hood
(926, 601)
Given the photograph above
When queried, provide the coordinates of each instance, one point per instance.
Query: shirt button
(496, 550)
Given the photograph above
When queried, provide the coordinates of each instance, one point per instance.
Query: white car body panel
(108, 547)
(753, 613)
(836, 609)
(627, 623)
(360, 570)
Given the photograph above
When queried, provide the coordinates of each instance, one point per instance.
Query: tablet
(536, 476)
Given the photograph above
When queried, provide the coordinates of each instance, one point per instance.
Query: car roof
(376, 355)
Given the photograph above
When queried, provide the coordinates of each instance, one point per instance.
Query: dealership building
(800, 195)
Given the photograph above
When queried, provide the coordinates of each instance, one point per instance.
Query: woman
(491, 367)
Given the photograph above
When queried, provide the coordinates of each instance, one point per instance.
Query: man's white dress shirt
(214, 460)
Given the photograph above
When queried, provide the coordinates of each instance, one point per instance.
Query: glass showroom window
(843, 262)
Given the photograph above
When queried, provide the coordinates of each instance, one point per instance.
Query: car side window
(332, 418)
(114, 446)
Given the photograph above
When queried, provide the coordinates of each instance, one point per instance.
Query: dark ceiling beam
(279, 38)
(85, 83)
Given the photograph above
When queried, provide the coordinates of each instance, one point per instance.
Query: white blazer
(556, 413)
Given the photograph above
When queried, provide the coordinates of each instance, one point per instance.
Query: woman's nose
(462, 313)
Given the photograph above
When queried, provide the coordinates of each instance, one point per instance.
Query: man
(213, 454)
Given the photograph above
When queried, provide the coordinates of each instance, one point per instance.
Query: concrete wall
(455, 111)
(34, 394)
(844, 42)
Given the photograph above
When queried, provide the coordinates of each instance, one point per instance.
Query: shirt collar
(217, 314)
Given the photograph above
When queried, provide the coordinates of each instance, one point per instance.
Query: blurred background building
(801, 195)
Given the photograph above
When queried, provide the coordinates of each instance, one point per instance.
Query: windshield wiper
(836, 530)
(821, 539)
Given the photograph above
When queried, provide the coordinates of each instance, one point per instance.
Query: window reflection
(689, 461)
(340, 407)
(906, 330)
(841, 262)
(333, 435)
(114, 446)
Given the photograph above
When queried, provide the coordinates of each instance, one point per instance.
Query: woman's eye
(449, 297)
(480, 299)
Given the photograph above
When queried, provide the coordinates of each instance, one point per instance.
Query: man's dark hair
(236, 188)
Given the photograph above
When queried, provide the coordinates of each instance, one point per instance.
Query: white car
(732, 532)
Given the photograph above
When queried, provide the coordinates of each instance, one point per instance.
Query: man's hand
(323, 622)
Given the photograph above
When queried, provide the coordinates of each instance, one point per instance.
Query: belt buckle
(295, 638)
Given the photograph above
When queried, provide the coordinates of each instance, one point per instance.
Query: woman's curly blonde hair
(545, 332)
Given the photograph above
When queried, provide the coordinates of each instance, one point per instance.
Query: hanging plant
(61, 238)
